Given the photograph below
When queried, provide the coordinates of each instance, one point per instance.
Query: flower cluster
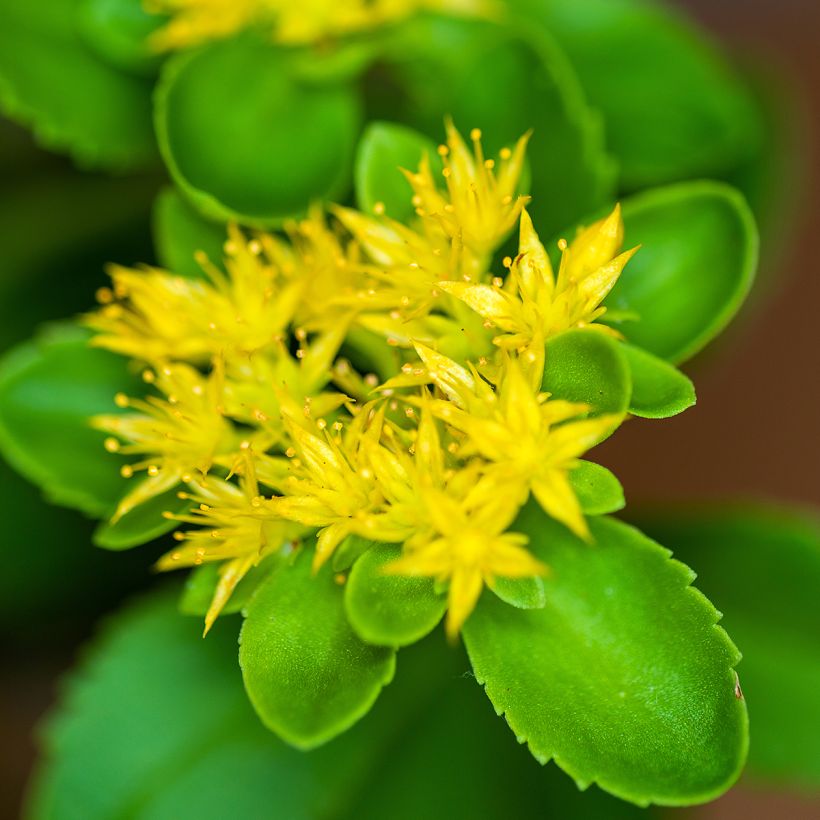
(255, 406)
(192, 22)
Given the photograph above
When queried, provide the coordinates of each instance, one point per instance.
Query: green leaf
(159, 716)
(504, 79)
(390, 610)
(201, 583)
(49, 388)
(659, 390)
(693, 271)
(598, 490)
(383, 150)
(52, 82)
(673, 107)
(623, 678)
(142, 524)
(118, 31)
(763, 567)
(306, 672)
(179, 232)
(522, 593)
(590, 367)
(245, 139)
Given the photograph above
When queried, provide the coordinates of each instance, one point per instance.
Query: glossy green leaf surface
(179, 232)
(118, 32)
(590, 367)
(142, 524)
(762, 568)
(390, 610)
(598, 490)
(52, 82)
(694, 269)
(49, 388)
(159, 715)
(659, 390)
(245, 139)
(306, 672)
(623, 678)
(383, 150)
(673, 107)
(504, 79)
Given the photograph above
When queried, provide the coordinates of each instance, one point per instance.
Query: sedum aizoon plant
(364, 425)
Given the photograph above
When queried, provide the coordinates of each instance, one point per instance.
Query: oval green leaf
(245, 139)
(763, 567)
(49, 388)
(180, 231)
(624, 677)
(590, 367)
(306, 672)
(673, 106)
(390, 610)
(384, 149)
(697, 261)
(599, 492)
(52, 82)
(659, 390)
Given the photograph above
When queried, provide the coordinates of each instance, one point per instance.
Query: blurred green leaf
(383, 150)
(179, 232)
(598, 490)
(52, 82)
(659, 390)
(623, 678)
(159, 716)
(306, 672)
(49, 388)
(390, 610)
(118, 31)
(762, 567)
(590, 367)
(505, 80)
(245, 139)
(694, 269)
(673, 107)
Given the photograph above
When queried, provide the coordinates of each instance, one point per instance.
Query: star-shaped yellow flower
(533, 303)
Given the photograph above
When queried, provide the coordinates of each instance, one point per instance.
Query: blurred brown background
(753, 433)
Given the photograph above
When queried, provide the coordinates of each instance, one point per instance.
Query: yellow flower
(197, 21)
(480, 206)
(527, 438)
(469, 546)
(177, 436)
(154, 315)
(234, 529)
(533, 304)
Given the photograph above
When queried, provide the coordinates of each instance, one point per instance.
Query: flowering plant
(354, 422)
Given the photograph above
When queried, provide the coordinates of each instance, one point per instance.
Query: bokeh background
(752, 436)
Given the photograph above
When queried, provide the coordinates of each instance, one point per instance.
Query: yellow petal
(451, 378)
(230, 574)
(553, 492)
(596, 245)
(465, 589)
